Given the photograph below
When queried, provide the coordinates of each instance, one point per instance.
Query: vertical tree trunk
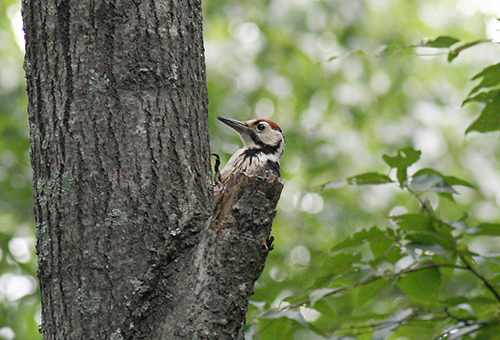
(120, 153)
(121, 171)
(217, 278)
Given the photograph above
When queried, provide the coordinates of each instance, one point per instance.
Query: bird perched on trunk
(263, 145)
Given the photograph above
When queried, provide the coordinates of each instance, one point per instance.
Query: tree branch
(223, 267)
(477, 274)
(363, 282)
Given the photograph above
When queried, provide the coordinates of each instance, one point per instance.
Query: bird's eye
(261, 127)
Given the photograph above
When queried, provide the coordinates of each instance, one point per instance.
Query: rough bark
(120, 157)
(220, 272)
(120, 154)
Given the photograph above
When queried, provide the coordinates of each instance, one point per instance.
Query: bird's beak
(235, 124)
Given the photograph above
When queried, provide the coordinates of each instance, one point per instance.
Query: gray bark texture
(130, 242)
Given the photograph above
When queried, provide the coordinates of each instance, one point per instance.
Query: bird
(263, 145)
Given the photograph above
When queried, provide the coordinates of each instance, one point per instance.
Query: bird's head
(258, 134)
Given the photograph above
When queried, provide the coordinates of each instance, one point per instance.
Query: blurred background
(319, 70)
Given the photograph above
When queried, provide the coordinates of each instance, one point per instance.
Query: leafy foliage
(418, 269)
(487, 93)
(440, 42)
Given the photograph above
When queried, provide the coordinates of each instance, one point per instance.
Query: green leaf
(405, 158)
(326, 308)
(380, 244)
(391, 49)
(452, 180)
(260, 305)
(433, 248)
(414, 222)
(335, 184)
(491, 77)
(462, 312)
(421, 229)
(331, 266)
(289, 314)
(483, 97)
(446, 195)
(485, 229)
(358, 52)
(367, 292)
(489, 333)
(422, 240)
(452, 55)
(359, 238)
(454, 52)
(489, 120)
(369, 178)
(318, 294)
(440, 42)
(422, 284)
(386, 328)
(431, 182)
(454, 301)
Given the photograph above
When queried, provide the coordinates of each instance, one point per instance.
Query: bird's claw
(268, 246)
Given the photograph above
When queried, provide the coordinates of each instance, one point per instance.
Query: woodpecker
(263, 145)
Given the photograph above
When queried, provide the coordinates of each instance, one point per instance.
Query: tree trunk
(123, 196)
(217, 278)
